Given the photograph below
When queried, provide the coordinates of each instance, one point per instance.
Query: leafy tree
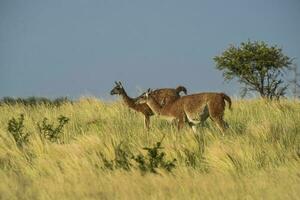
(257, 66)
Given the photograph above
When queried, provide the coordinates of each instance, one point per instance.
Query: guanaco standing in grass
(194, 108)
(162, 96)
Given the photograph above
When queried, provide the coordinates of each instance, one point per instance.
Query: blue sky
(80, 47)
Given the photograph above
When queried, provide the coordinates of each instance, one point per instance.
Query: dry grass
(257, 159)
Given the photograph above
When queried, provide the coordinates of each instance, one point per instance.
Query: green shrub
(153, 160)
(16, 129)
(149, 163)
(34, 101)
(49, 131)
(122, 159)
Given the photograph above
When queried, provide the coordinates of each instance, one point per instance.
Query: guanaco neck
(155, 107)
(128, 101)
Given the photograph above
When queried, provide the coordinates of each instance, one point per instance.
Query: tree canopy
(257, 66)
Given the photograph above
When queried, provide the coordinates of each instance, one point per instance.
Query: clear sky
(80, 47)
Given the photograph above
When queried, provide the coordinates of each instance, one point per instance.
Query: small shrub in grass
(151, 162)
(16, 128)
(50, 131)
(108, 164)
(154, 160)
(122, 159)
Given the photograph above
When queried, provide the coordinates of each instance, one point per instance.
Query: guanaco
(162, 96)
(194, 108)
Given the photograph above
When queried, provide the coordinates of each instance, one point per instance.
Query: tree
(295, 82)
(257, 66)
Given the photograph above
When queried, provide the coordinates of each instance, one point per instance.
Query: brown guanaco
(194, 108)
(162, 96)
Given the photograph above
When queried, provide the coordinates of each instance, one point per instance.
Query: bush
(34, 101)
(122, 159)
(49, 131)
(154, 160)
(16, 128)
(149, 163)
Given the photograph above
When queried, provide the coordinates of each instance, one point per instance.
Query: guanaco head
(118, 89)
(143, 98)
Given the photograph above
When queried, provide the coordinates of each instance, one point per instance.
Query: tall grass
(258, 158)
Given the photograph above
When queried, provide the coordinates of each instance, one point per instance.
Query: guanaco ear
(120, 84)
(116, 83)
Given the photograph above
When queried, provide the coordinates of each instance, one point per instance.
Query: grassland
(258, 158)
